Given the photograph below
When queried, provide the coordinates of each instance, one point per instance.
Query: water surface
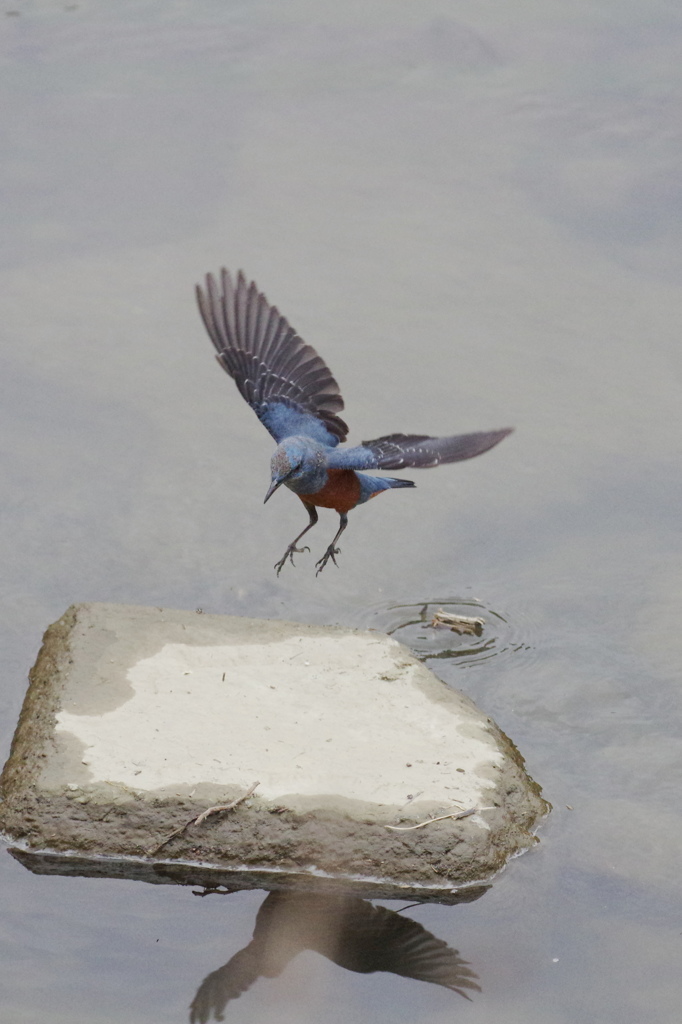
(474, 213)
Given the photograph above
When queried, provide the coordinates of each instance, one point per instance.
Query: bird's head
(285, 463)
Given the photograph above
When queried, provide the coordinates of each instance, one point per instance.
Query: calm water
(474, 211)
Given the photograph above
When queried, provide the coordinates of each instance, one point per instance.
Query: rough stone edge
(22, 765)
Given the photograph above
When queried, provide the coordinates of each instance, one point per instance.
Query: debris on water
(463, 624)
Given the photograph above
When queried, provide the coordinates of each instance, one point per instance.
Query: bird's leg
(332, 549)
(292, 549)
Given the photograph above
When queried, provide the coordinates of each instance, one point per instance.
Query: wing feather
(415, 451)
(270, 364)
(419, 451)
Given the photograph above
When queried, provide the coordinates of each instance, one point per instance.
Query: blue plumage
(373, 485)
(296, 398)
(286, 421)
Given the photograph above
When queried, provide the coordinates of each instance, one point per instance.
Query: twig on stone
(202, 817)
(224, 807)
(442, 817)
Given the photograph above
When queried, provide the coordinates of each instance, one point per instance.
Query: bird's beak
(271, 489)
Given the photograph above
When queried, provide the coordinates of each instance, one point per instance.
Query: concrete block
(139, 719)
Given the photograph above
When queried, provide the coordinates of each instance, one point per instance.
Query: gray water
(474, 212)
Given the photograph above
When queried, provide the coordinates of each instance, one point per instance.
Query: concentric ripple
(412, 625)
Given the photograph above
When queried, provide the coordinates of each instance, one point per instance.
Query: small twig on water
(442, 817)
(202, 817)
(458, 623)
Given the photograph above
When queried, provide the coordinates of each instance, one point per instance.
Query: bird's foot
(329, 553)
(289, 553)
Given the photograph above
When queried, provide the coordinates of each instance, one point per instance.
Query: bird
(349, 931)
(297, 399)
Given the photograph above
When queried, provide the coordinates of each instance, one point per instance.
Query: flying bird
(296, 398)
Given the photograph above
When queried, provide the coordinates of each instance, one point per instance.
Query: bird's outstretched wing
(227, 983)
(415, 451)
(378, 939)
(286, 383)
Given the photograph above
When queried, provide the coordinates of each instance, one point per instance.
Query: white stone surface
(308, 715)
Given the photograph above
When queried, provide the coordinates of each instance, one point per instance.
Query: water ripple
(412, 625)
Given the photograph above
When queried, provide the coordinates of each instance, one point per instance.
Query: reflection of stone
(351, 932)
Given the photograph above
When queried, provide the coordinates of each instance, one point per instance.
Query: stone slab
(138, 719)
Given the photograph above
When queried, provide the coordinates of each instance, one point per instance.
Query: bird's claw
(329, 553)
(289, 553)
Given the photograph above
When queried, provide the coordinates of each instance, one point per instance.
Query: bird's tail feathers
(392, 481)
(371, 485)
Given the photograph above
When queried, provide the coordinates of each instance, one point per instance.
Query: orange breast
(341, 492)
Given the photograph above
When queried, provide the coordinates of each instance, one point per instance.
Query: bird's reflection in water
(353, 933)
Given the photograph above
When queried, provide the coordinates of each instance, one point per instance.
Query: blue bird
(296, 398)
